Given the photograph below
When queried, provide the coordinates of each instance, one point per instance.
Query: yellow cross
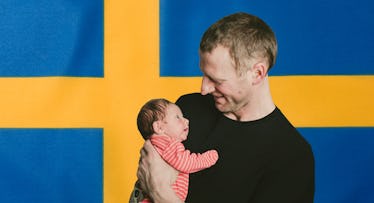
(132, 77)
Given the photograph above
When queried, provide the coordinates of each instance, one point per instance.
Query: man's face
(231, 92)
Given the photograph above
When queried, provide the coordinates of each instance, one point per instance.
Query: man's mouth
(217, 99)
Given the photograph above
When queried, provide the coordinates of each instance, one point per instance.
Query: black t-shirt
(265, 160)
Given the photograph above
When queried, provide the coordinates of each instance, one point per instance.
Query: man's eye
(217, 82)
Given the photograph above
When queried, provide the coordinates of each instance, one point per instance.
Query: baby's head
(160, 116)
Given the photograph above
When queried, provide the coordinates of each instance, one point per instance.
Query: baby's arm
(185, 161)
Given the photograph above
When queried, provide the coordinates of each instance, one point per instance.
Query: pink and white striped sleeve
(184, 161)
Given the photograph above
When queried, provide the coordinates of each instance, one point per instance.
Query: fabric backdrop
(73, 75)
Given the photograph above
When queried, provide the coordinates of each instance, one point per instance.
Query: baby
(163, 123)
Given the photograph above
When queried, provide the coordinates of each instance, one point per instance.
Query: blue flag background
(51, 38)
(51, 165)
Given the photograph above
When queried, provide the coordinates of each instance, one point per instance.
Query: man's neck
(251, 114)
(259, 106)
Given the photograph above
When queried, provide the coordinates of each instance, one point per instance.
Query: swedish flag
(73, 75)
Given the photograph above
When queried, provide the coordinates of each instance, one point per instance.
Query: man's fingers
(147, 153)
(147, 147)
(141, 175)
(143, 163)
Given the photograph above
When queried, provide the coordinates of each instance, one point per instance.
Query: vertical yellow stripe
(131, 61)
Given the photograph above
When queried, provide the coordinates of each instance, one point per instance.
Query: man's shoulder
(286, 132)
(194, 100)
(190, 96)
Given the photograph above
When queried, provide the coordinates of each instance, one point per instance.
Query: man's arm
(156, 176)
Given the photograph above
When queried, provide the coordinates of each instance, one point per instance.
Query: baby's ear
(157, 127)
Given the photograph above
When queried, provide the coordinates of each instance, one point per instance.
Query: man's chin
(221, 108)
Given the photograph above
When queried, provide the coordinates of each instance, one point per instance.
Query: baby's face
(175, 125)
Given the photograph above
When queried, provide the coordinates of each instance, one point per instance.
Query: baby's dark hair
(153, 110)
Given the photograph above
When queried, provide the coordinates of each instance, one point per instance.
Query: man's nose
(206, 86)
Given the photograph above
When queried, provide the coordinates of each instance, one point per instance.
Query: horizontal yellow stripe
(75, 102)
(51, 102)
(320, 101)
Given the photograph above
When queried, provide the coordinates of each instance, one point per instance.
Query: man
(262, 156)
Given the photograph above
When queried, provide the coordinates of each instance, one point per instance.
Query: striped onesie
(174, 153)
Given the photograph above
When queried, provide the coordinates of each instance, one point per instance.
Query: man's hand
(156, 176)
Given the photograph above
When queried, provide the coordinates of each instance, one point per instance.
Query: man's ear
(157, 127)
(259, 72)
